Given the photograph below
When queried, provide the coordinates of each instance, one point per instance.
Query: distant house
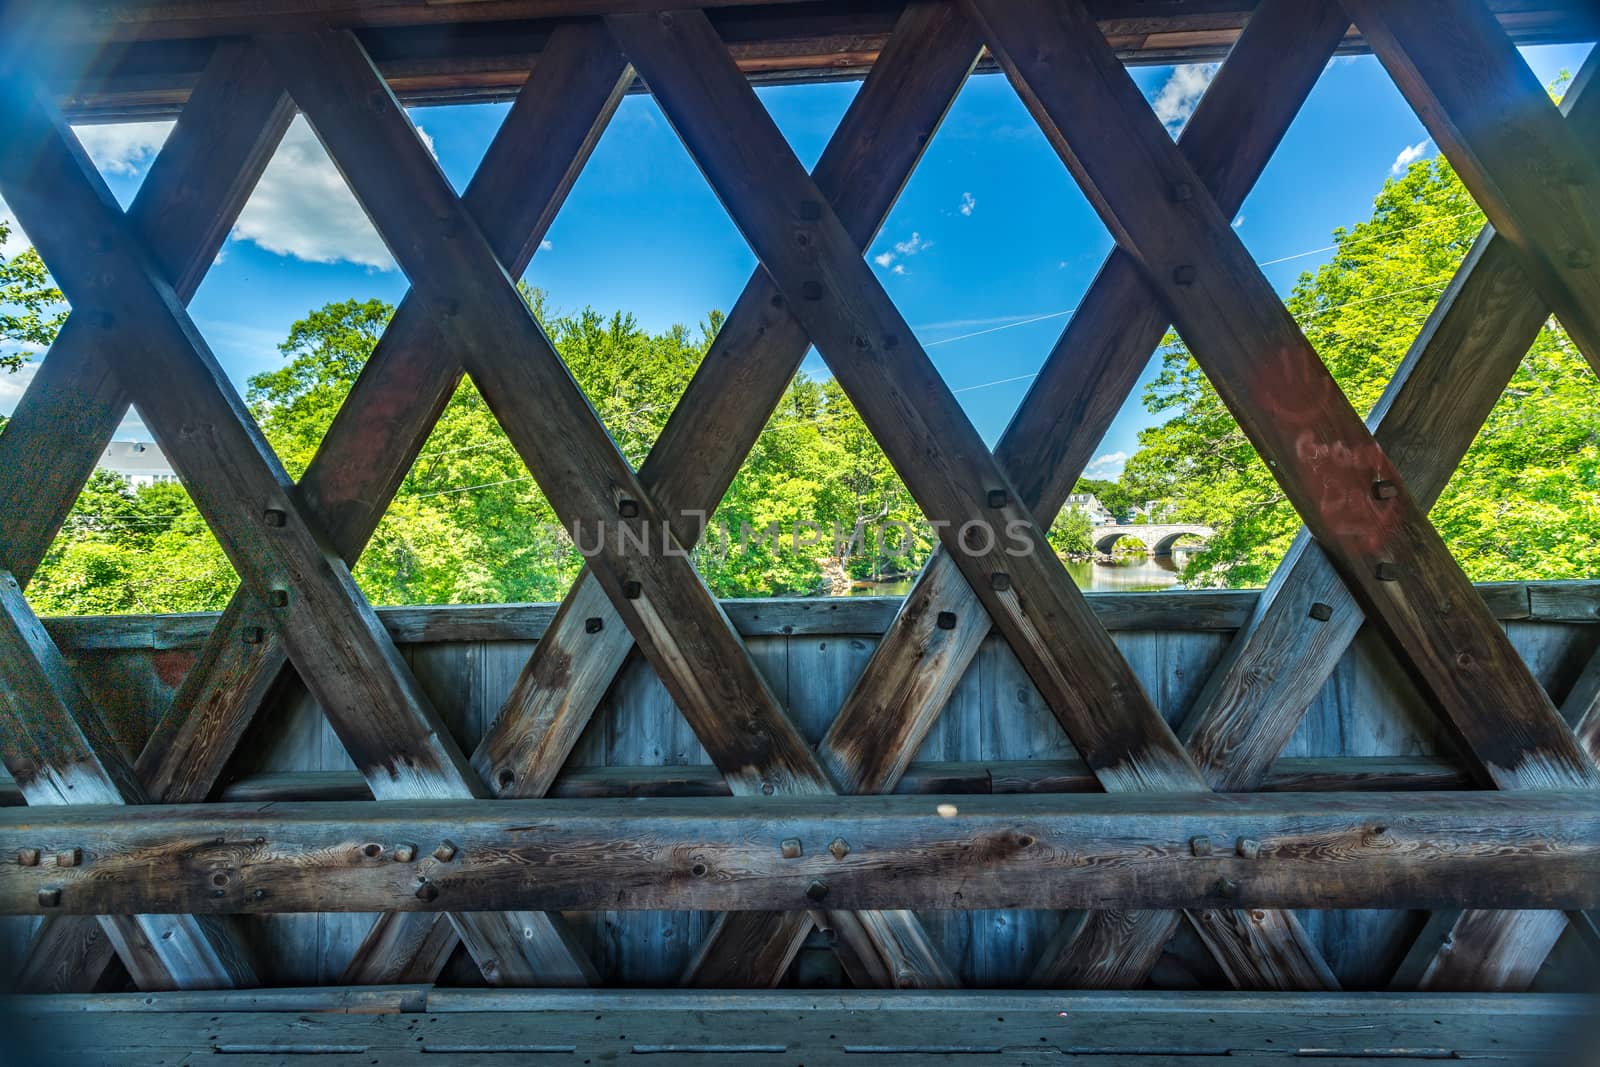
(1090, 505)
(137, 463)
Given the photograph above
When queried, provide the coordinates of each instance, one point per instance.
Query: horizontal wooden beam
(426, 1025)
(1292, 774)
(458, 57)
(1218, 611)
(1129, 850)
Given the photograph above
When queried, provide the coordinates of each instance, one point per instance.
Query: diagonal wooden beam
(678, 625)
(1339, 479)
(60, 752)
(715, 424)
(1539, 186)
(908, 407)
(182, 213)
(542, 145)
(1081, 386)
(329, 630)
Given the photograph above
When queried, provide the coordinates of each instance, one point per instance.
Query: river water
(1130, 574)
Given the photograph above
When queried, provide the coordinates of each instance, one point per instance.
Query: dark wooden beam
(1486, 849)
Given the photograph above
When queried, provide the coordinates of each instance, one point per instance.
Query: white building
(1090, 505)
(138, 463)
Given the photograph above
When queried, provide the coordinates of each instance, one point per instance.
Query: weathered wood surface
(1211, 611)
(418, 1023)
(451, 62)
(995, 719)
(1289, 775)
(1483, 849)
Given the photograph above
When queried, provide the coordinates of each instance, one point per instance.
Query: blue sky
(989, 232)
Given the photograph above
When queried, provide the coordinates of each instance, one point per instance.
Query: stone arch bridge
(1158, 537)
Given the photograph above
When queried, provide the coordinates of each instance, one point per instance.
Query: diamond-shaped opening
(133, 543)
(469, 524)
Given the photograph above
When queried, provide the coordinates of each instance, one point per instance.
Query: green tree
(1072, 534)
(1523, 503)
(32, 309)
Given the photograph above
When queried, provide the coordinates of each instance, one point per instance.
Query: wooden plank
(1441, 393)
(1532, 173)
(1318, 774)
(481, 1026)
(1322, 455)
(1197, 611)
(1486, 849)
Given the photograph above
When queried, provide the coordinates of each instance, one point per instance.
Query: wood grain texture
(918, 422)
(1317, 447)
(1129, 850)
(1291, 774)
(1197, 611)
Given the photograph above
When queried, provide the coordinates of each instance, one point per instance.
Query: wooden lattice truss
(1368, 550)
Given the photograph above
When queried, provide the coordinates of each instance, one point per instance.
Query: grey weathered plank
(1494, 849)
(1200, 611)
(1302, 774)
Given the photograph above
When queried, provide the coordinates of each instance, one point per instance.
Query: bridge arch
(1166, 544)
(1158, 539)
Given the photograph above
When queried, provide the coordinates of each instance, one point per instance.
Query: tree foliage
(469, 524)
(1526, 500)
(32, 309)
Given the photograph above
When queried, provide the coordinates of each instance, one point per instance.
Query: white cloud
(125, 147)
(912, 245)
(1409, 155)
(1107, 465)
(1238, 222)
(909, 247)
(302, 207)
(899, 268)
(545, 245)
(1176, 99)
(967, 203)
